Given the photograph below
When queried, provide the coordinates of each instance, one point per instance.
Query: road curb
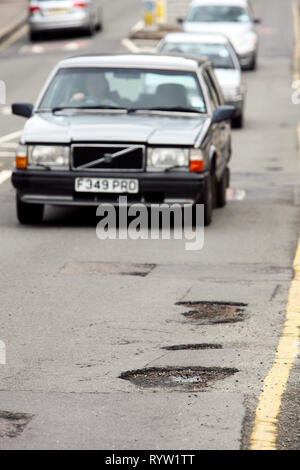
(14, 26)
(139, 31)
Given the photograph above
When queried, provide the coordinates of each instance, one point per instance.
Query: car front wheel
(29, 214)
(222, 187)
(209, 200)
(238, 121)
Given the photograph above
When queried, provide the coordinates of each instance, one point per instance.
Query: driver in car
(96, 93)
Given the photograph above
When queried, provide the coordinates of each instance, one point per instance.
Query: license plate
(106, 185)
(57, 11)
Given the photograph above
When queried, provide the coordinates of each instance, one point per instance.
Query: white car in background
(61, 15)
(218, 49)
(234, 18)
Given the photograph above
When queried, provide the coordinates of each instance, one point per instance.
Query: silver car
(234, 18)
(152, 127)
(52, 15)
(218, 49)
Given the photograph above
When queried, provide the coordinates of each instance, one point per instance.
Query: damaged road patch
(209, 313)
(107, 269)
(192, 347)
(183, 378)
(13, 424)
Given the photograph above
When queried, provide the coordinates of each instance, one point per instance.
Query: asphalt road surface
(70, 330)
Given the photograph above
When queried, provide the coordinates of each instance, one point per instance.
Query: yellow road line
(298, 135)
(264, 433)
(265, 425)
(296, 16)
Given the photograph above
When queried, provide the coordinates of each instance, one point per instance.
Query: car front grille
(108, 157)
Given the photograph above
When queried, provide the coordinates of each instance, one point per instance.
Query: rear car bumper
(49, 24)
(246, 60)
(58, 188)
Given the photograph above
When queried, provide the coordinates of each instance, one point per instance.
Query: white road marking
(12, 136)
(7, 154)
(5, 110)
(236, 194)
(72, 46)
(9, 145)
(5, 175)
(50, 47)
(130, 45)
(139, 25)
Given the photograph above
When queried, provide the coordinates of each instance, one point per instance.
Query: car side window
(212, 95)
(215, 86)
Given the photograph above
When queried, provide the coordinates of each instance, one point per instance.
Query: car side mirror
(22, 109)
(257, 21)
(223, 113)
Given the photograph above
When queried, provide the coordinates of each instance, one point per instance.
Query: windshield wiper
(78, 108)
(175, 109)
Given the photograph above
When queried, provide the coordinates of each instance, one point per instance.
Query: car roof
(147, 61)
(209, 38)
(238, 3)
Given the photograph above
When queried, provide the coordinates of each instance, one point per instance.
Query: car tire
(253, 65)
(238, 121)
(222, 186)
(209, 200)
(99, 26)
(91, 29)
(33, 36)
(29, 214)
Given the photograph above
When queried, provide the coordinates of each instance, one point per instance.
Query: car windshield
(218, 13)
(125, 89)
(218, 54)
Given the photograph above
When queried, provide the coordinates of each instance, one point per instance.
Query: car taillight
(80, 4)
(33, 9)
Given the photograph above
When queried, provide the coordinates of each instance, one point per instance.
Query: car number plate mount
(106, 185)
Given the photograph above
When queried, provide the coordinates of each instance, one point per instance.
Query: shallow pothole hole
(192, 347)
(183, 378)
(209, 313)
(12, 424)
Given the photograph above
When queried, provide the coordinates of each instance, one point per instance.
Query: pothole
(185, 378)
(13, 424)
(208, 313)
(274, 168)
(107, 269)
(192, 347)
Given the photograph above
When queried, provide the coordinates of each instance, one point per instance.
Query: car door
(224, 127)
(216, 129)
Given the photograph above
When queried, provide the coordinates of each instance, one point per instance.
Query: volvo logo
(108, 158)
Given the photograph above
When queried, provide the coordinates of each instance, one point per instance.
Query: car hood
(229, 78)
(234, 31)
(153, 129)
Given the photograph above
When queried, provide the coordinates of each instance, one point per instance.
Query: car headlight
(233, 93)
(246, 43)
(57, 157)
(160, 159)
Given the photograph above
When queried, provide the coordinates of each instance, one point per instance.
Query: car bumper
(58, 188)
(48, 24)
(246, 60)
(238, 105)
